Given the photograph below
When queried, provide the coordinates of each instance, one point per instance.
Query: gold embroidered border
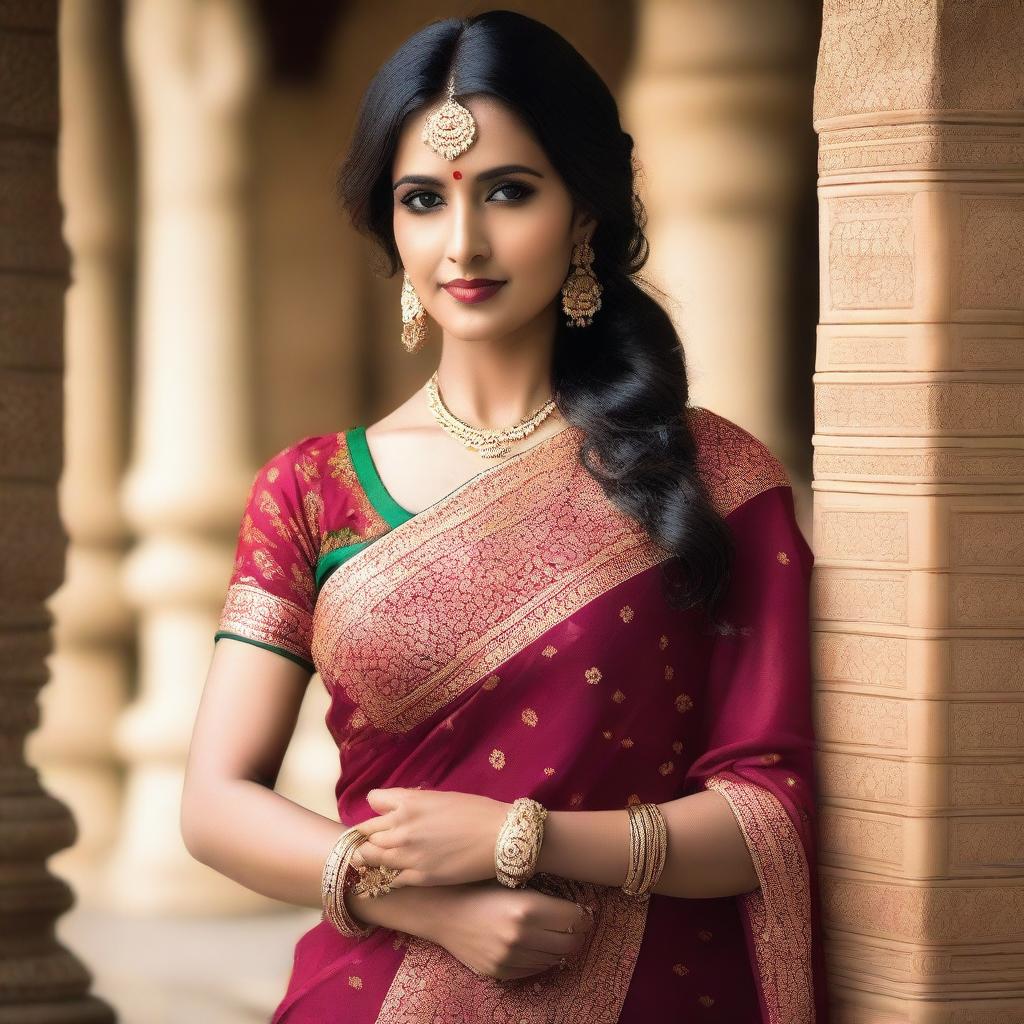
(553, 542)
(779, 912)
(256, 614)
(734, 465)
(431, 985)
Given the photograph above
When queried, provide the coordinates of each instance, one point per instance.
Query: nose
(467, 236)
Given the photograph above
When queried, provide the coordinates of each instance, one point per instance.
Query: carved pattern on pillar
(41, 981)
(919, 509)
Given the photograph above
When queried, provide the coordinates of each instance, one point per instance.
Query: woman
(601, 605)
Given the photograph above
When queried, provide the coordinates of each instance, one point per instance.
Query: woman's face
(516, 226)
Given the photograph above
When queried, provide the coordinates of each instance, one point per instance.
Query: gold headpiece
(450, 130)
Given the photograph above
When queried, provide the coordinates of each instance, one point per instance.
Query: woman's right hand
(504, 933)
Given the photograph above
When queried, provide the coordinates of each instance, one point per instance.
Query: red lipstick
(476, 289)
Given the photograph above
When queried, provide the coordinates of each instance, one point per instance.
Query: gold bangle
(517, 847)
(648, 849)
(338, 876)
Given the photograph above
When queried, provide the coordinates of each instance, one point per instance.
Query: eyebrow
(494, 172)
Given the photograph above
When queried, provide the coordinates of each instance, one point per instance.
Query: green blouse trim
(307, 665)
(326, 565)
(362, 461)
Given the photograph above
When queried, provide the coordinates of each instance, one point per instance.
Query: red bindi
(457, 175)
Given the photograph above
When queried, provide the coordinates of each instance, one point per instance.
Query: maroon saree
(513, 640)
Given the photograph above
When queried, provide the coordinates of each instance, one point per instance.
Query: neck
(493, 384)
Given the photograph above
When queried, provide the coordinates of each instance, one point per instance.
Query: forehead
(501, 137)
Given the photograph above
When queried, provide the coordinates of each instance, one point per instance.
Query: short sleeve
(272, 589)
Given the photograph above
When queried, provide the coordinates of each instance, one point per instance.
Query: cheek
(534, 247)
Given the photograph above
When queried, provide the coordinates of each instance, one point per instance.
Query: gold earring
(414, 317)
(581, 291)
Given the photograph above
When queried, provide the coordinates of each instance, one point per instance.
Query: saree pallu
(513, 639)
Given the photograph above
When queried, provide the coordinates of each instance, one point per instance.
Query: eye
(408, 201)
(523, 192)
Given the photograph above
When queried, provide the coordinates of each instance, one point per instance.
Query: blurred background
(180, 293)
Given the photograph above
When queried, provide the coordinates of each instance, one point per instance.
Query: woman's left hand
(435, 837)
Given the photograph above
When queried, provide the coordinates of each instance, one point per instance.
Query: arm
(707, 855)
(233, 821)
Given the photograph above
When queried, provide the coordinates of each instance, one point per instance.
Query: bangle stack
(517, 848)
(338, 876)
(648, 847)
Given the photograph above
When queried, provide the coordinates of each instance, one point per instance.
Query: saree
(513, 639)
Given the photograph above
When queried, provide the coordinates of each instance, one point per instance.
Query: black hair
(622, 379)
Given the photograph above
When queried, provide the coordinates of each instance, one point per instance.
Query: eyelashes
(525, 191)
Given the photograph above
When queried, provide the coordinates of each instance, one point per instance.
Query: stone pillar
(89, 667)
(919, 509)
(717, 106)
(193, 70)
(40, 980)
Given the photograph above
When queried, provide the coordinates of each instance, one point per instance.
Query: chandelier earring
(414, 317)
(581, 291)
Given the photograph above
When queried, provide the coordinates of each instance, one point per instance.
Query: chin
(479, 327)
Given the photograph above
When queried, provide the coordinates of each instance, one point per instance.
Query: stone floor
(224, 970)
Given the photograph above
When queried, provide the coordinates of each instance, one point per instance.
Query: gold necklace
(491, 444)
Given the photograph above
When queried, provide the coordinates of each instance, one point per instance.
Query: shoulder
(307, 463)
(317, 480)
(734, 465)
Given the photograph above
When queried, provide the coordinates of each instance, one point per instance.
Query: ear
(583, 226)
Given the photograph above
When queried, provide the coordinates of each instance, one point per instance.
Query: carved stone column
(89, 667)
(919, 508)
(39, 979)
(193, 70)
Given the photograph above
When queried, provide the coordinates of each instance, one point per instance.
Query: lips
(476, 290)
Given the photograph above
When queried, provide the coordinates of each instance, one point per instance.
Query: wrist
(407, 909)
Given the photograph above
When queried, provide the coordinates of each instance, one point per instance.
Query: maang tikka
(449, 131)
